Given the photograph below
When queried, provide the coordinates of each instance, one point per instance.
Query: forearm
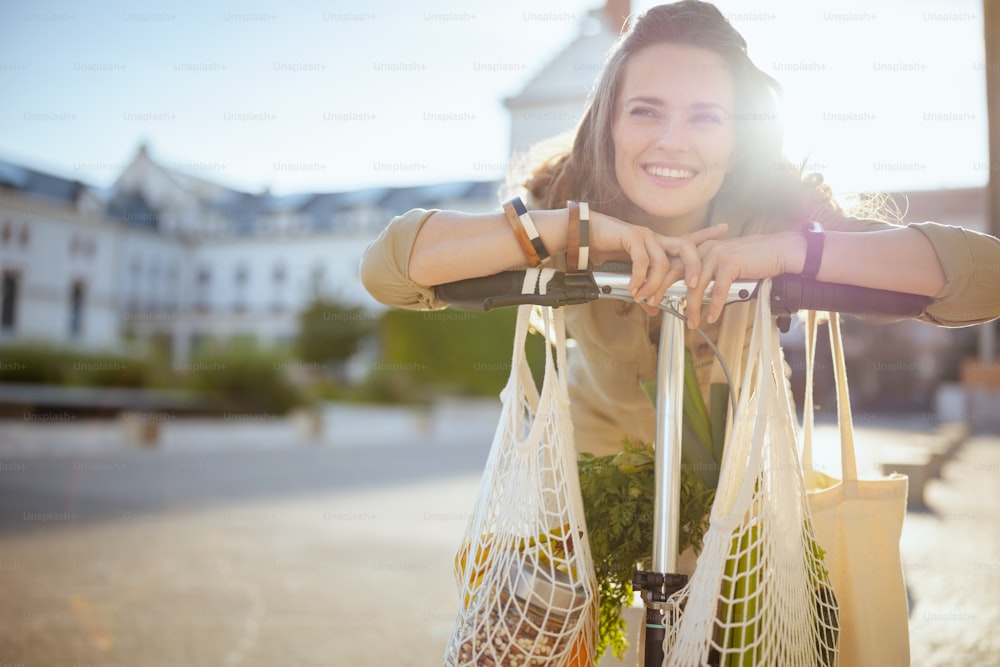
(901, 260)
(453, 246)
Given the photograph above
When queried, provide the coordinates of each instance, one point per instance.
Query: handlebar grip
(542, 287)
(791, 293)
(479, 293)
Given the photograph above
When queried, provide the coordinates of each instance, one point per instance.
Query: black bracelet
(813, 233)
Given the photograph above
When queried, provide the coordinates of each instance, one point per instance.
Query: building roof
(132, 209)
(39, 184)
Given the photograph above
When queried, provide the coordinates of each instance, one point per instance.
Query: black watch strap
(813, 233)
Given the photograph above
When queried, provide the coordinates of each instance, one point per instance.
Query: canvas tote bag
(858, 523)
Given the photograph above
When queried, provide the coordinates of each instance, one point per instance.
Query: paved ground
(241, 543)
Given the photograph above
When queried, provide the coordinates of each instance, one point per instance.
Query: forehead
(678, 74)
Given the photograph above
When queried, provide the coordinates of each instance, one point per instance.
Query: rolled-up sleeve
(969, 259)
(971, 263)
(385, 271)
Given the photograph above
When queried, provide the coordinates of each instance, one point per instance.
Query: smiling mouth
(665, 172)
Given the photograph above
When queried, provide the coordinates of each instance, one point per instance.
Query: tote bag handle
(848, 459)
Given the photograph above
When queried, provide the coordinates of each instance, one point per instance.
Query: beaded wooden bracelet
(525, 231)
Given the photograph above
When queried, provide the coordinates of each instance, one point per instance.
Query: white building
(57, 261)
(553, 101)
(163, 254)
(168, 255)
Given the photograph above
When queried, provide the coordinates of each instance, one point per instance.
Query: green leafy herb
(619, 493)
(618, 497)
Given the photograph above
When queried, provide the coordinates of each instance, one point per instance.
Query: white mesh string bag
(760, 594)
(525, 574)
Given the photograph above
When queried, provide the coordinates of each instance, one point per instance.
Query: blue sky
(334, 95)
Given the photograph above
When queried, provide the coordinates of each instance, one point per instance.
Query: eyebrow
(656, 101)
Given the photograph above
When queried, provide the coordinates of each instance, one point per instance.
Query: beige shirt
(614, 353)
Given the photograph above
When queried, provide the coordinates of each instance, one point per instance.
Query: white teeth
(663, 172)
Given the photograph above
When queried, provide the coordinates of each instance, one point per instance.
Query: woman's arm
(452, 245)
(957, 267)
(901, 260)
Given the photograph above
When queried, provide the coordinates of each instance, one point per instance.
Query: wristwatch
(813, 233)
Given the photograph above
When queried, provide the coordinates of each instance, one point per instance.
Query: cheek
(621, 152)
(630, 143)
(717, 152)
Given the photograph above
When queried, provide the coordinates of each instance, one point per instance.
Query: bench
(914, 462)
(139, 411)
(923, 459)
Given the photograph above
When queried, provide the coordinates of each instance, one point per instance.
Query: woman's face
(673, 132)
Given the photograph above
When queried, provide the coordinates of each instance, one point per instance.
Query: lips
(673, 173)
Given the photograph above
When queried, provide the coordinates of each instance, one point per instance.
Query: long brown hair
(761, 184)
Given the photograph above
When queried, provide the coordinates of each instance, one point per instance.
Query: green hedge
(422, 355)
(236, 378)
(34, 363)
(243, 378)
(447, 352)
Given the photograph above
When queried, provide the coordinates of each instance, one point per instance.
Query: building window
(279, 284)
(203, 280)
(8, 305)
(25, 235)
(5, 233)
(135, 289)
(153, 289)
(76, 297)
(241, 281)
(171, 305)
(318, 279)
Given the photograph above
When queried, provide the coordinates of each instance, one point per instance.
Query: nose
(671, 131)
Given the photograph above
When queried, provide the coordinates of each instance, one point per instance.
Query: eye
(707, 117)
(643, 112)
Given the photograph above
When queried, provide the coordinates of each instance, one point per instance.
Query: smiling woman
(679, 156)
(684, 142)
(677, 164)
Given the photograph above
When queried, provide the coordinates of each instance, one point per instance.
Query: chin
(666, 211)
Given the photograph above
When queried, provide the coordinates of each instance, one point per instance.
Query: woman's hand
(658, 261)
(744, 258)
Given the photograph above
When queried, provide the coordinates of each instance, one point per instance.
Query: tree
(330, 331)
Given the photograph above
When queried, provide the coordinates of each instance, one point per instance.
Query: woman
(679, 158)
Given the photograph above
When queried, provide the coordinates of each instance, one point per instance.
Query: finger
(675, 273)
(707, 234)
(659, 266)
(696, 293)
(688, 254)
(640, 264)
(724, 278)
